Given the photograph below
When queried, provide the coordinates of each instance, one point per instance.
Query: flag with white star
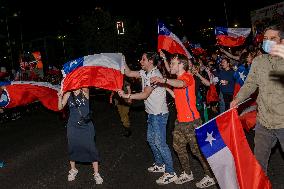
(170, 42)
(231, 37)
(223, 143)
(20, 93)
(104, 70)
(240, 76)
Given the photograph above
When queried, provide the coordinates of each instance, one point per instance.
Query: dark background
(63, 30)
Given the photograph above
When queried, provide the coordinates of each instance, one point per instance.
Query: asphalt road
(34, 151)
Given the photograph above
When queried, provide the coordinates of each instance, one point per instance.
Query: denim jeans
(156, 137)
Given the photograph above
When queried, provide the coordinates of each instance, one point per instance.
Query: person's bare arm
(229, 54)
(62, 99)
(137, 96)
(131, 73)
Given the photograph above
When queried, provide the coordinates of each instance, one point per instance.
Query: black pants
(227, 99)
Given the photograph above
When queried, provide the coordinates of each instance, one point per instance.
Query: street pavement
(34, 151)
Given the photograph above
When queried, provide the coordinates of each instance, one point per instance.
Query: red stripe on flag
(93, 76)
(23, 94)
(249, 171)
(248, 120)
(170, 45)
(229, 41)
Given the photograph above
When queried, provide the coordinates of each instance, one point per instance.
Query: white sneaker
(98, 178)
(157, 169)
(205, 182)
(72, 174)
(183, 178)
(167, 178)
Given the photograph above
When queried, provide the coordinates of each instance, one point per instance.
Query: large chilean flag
(21, 93)
(231, 37)
(170, 42)
(224, 145)
(103, 70)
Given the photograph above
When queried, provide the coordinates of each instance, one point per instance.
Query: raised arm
(163, 56)
(130, 73)
(62, 99)
(172, 82)
(229, 54)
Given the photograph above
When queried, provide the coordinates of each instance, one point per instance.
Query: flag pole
(225, 112)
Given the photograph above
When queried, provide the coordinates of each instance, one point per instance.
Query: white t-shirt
(156, 103)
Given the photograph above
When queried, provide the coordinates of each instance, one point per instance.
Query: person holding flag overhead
(80, 131)
(188, 119)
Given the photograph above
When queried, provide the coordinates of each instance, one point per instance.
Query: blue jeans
(156, 137)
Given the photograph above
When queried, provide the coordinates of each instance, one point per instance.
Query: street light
(62, 37)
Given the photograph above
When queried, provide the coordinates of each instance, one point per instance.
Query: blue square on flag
(209, 139)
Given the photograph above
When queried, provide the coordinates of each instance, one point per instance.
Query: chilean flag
(170, 42)
(103, 70)
(231, 37)
(224, 145)
(240, 76)
(197, 49)
(247, 110)
(21, 93)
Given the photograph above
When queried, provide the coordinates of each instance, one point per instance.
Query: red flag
(231, 37)
(212, 95)
(248, 120)
(24, 92)
(103, 70)
(223, 143)
(170, 42)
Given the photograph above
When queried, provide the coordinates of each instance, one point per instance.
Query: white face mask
(267, 44)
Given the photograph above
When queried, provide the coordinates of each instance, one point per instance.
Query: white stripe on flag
(108, 60)
(181, 44)
(237, 32)
(35, 83)
(223, 165)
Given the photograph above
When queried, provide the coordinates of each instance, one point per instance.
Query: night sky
(45, 17)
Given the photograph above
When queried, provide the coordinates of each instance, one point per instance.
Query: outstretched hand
(121, 93)
(156, 80)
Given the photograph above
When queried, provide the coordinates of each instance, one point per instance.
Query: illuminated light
(236, 25)
(120, 27)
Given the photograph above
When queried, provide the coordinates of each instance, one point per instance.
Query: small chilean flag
(170, 42)
(224, 145)
(103, 70)
(19, 93)
(231, 37)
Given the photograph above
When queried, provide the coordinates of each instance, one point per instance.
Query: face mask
(267, 44)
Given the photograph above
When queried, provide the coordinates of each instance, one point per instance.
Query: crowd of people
(189, 81)
(202, 88)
